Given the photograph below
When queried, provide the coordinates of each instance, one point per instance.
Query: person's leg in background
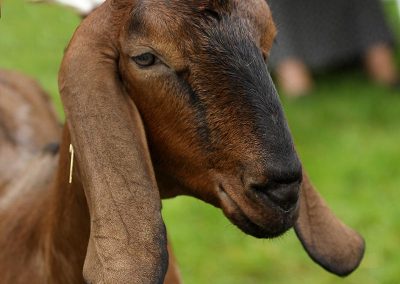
(380, 65)
(294, 77)
(377, 41)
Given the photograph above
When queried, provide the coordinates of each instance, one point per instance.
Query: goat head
(167, 98)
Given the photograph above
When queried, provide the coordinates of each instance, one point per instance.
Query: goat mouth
(274, 222)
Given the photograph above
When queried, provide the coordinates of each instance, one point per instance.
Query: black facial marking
(201, 112)
(212, 14)
(238, 81)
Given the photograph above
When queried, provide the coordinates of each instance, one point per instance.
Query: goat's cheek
(136, 83)
(168, 117)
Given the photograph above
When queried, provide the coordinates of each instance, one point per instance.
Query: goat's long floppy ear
(326, 239)
(127, 239)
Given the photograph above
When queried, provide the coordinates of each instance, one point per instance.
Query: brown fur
(44, 224)
(186, 126)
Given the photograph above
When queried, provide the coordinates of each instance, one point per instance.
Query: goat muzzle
(263, 211)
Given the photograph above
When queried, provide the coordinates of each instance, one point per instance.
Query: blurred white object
(398, 6)
(83, 7)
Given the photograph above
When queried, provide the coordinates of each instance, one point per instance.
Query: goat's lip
(279, 221)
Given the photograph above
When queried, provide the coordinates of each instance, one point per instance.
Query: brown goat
(167, 98)
(27, 123)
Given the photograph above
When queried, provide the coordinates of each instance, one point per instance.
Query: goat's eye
(145, 59)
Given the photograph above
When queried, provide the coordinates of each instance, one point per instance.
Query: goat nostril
(283, 195)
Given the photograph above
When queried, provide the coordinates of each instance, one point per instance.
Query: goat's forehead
(181, 25)
(175, 5)
(172, 15)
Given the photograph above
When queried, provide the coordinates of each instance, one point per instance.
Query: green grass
(347, 133)
(33, 39)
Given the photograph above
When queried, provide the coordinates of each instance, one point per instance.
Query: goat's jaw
(259, 219)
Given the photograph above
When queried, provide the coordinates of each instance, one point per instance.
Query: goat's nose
(283, 195)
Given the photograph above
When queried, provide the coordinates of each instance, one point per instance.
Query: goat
(27, 123)
(168, 98)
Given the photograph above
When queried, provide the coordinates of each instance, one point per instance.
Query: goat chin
(258, 218)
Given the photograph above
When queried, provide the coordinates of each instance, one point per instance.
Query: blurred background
(347, 132)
